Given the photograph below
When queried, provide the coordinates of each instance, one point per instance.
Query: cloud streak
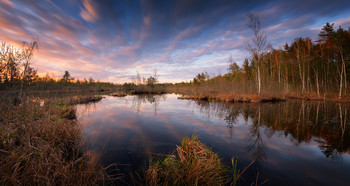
(88, 12)
(111, 40)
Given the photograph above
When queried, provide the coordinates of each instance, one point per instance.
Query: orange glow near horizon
(95, 39)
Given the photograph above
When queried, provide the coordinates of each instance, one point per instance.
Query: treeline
(16, 72)
(143, 85)
(302, 68)
(71, 83)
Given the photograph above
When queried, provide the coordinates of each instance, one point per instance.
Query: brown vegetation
(118, 94)
(148, 91)
(195, 164)
(234, 98)
(40, 145)
(84, 99)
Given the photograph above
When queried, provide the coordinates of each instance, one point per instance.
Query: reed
(195, 164)
(84, 99)
(40, 145)
(118, 94)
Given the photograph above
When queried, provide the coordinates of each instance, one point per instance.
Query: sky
(112, 40)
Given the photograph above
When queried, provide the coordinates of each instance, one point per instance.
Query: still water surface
(291, 143)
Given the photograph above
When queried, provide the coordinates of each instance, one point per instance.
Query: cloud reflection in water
(292, 142)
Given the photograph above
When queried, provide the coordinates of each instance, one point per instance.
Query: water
(291, 143)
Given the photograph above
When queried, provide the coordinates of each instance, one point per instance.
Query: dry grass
(145, 89)
(118, 94)
(195, 164)
(234, 98)
(39, 145)
(226, 91)
(84, 99)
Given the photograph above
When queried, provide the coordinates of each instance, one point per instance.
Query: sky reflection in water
(294, 142)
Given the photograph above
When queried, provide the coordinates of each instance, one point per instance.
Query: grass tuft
(195, 164)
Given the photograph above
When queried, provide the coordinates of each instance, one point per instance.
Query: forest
(302, 69)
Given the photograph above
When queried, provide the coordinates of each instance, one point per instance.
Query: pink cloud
(147, 20)
(345, 23)
(7, 2)
(88, 12)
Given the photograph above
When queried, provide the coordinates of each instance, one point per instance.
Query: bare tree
(257, 45)
(155, 74)
(27, 54)
(138, 78)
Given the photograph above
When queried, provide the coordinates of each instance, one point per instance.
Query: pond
(291, 143)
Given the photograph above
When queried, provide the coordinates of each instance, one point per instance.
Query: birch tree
(257, 45)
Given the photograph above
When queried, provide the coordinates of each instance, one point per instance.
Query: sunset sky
(111, 40)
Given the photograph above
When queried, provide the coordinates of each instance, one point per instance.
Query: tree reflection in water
(298, 133)
(154, 100)
(302, 121)
(256, 143)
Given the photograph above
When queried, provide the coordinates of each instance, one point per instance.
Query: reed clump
(195, 164)
(40, 145)
(118, 94)
(84, 99)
